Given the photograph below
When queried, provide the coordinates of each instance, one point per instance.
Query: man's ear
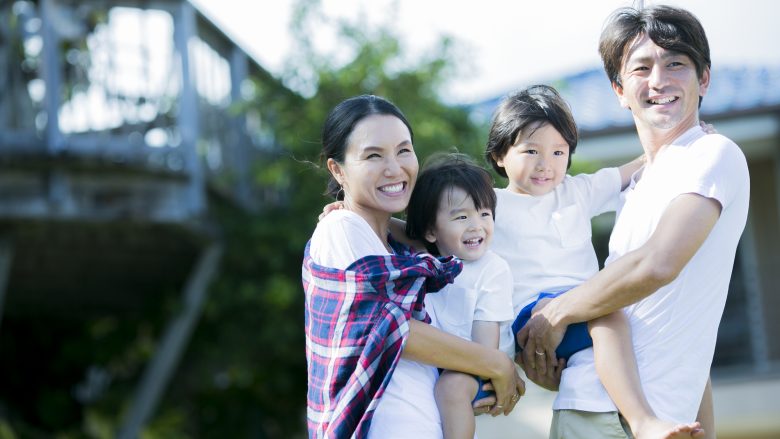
(704, 82)
(618, 89)
(335, 170)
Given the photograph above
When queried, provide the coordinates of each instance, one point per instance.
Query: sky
(502, 44)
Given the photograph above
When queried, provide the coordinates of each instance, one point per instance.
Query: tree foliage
(245, 372)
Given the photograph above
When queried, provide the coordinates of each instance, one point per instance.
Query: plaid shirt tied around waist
(357, 321)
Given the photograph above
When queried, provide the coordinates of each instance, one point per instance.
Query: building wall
(764, 221)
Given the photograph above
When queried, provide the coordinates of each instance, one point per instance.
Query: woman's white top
(407, 408)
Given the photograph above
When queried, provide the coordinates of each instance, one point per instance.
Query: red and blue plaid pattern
(357, 321)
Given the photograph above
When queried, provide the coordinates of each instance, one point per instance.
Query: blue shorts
(481, 393)
(575, 339)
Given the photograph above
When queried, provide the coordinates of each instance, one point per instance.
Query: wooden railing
(142, 92)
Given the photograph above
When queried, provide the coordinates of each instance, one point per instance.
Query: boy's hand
(330, 207)
(707, 127)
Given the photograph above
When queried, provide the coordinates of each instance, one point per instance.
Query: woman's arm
(429, 345)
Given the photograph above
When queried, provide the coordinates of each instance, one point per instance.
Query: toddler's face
(536, 164)
(461, 229)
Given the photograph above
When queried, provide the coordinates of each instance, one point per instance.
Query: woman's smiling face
(379, 168)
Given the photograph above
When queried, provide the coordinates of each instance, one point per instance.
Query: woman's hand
(330, 207)
(488, 403)
(509, 387)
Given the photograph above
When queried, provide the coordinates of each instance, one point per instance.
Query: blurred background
(159, 180)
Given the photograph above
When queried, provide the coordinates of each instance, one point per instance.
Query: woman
(372, 362)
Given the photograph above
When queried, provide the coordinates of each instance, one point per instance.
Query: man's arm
(684, 226)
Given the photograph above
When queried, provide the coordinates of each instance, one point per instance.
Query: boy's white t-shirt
(482, 291)
(546, 240)
(674, 329)
(407, 407)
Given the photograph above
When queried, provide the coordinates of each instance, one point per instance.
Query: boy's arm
(398, 230)
(627, 170)
(684, 226)
(706, 415)
(485, 333)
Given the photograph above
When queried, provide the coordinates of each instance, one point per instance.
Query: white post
(6, 255)
(171, 346)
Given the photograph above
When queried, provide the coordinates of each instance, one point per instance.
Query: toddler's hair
(529, 108)
(440, 173)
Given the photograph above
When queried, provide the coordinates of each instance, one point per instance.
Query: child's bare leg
(454, 392)
(616, 366)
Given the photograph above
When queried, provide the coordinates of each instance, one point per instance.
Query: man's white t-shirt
(546, 240)
(407, 408)
(674, 329)
(482, 291)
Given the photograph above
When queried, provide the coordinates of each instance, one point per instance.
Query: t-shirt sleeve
(342, 238)
(598, 192)
(716, 168)
(494, 293)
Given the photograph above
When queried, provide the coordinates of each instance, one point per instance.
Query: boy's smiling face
(537, 162)
(461, 229)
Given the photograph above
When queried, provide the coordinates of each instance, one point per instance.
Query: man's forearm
(680, 233)
(628, 280)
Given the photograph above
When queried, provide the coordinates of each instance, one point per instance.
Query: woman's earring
(340, 193)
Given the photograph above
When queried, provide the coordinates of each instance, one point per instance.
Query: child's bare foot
(657, 429)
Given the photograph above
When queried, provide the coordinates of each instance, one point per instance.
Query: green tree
(245, 373)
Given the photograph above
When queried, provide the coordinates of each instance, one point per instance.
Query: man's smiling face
(661, 87)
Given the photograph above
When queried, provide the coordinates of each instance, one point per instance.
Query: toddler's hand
(708, 128)
(330, 207)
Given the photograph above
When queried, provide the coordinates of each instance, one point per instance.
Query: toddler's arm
(485, 333)
(706, 416)
(398, 230)
(397, 226)
(628, 169)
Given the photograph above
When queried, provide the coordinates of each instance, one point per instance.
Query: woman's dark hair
(528, 109)
(671, 28)
(341, 122)
(442, 172)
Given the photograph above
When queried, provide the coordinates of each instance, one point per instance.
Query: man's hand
(539, 339)
(550, 380)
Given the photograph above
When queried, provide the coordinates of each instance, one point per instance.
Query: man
(672, 249)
